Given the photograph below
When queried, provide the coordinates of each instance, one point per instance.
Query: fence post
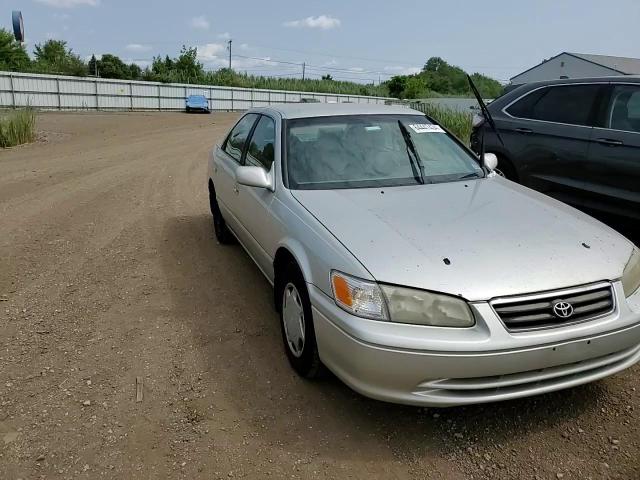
(131, 96)
(269, 97)
(251, 98)
(58, 91)
(95, 81)
(159, 98)
(232, 109)
(13, 92)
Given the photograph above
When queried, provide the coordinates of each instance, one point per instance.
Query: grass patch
(17, 127)
(459, 123)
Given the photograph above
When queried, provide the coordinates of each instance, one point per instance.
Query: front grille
(556, 308)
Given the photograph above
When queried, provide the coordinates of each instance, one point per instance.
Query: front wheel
(298, 333)
(223, 234)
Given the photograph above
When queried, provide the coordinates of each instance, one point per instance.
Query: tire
(188, 110)
(302, 352)
(223, 234)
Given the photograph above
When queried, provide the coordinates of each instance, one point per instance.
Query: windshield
(373, 151)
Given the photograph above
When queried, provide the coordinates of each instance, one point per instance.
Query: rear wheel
(298, 333)
(223, 234)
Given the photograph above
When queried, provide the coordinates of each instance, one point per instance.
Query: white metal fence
(79, 93)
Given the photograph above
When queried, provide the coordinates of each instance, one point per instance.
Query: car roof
(306, 110)
(608, 79)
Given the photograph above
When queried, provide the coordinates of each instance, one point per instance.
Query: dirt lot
(109, 271)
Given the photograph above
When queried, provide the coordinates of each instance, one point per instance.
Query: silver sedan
(403, 264)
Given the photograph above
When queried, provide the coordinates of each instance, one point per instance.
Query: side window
(571, 104)
(262, 144)
(624, 108)
(234, 145)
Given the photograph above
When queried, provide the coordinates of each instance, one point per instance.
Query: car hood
(478, 239)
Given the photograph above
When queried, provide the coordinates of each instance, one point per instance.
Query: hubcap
(293, 319)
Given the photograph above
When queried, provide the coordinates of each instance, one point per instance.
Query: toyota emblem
(562, 309)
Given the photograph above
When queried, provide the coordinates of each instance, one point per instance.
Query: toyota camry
(402, 263)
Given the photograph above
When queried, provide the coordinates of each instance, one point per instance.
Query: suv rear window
(570, 104)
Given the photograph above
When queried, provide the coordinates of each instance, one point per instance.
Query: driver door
(227, 159)
(259, 228)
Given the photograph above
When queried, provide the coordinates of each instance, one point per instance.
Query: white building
(578, 65)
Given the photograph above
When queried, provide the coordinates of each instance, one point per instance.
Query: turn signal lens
(358, 297)
(631, 275)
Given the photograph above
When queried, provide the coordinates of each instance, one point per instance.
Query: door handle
(609, 141)
(525, 131)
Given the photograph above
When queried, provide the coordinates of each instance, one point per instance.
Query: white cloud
(69, 3)
(61, 16)
(200, 22)
(210, 52)
(244, 46)
(224, 36)
(324, 22)
(137, 47)
(140, 62)
(399, 70)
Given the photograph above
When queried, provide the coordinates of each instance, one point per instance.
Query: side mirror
(490, 161)
(254, 177)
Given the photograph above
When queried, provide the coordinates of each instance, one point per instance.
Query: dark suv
(577, 140)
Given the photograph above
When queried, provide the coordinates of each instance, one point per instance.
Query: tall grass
(17, 127)
(459, 123)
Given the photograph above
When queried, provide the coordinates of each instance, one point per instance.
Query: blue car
(197, 103)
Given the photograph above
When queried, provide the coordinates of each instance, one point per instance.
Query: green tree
(416, 87)
(53, 56)
(92, 66)
(187, 66)
(135, 72)
(396, 85)
(13, 55)
(327, 77)
(110, 66)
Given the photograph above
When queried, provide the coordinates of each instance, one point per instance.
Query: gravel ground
(109, 273)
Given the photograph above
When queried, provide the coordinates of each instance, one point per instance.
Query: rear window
(571, 104)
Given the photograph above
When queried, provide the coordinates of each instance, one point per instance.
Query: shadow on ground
(222, 296)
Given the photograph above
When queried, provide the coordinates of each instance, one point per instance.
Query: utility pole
(229, 47)
(304, 66)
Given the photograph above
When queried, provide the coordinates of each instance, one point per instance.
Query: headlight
(403, 305)
(418, 307)
(359, 297)
(631, 274)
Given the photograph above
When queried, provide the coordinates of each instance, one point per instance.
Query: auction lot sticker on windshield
(426, 128)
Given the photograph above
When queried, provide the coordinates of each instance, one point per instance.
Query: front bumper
(443, 367)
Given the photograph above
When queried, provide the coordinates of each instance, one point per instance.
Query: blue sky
(355, 40)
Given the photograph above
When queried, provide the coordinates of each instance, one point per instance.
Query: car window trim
(504, 109)
(224, 144)
(255, 125)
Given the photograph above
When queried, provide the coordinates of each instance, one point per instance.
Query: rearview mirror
(254, 177)
(490, 161)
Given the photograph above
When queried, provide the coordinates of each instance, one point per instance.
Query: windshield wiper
(470, 175)
(412, 153)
